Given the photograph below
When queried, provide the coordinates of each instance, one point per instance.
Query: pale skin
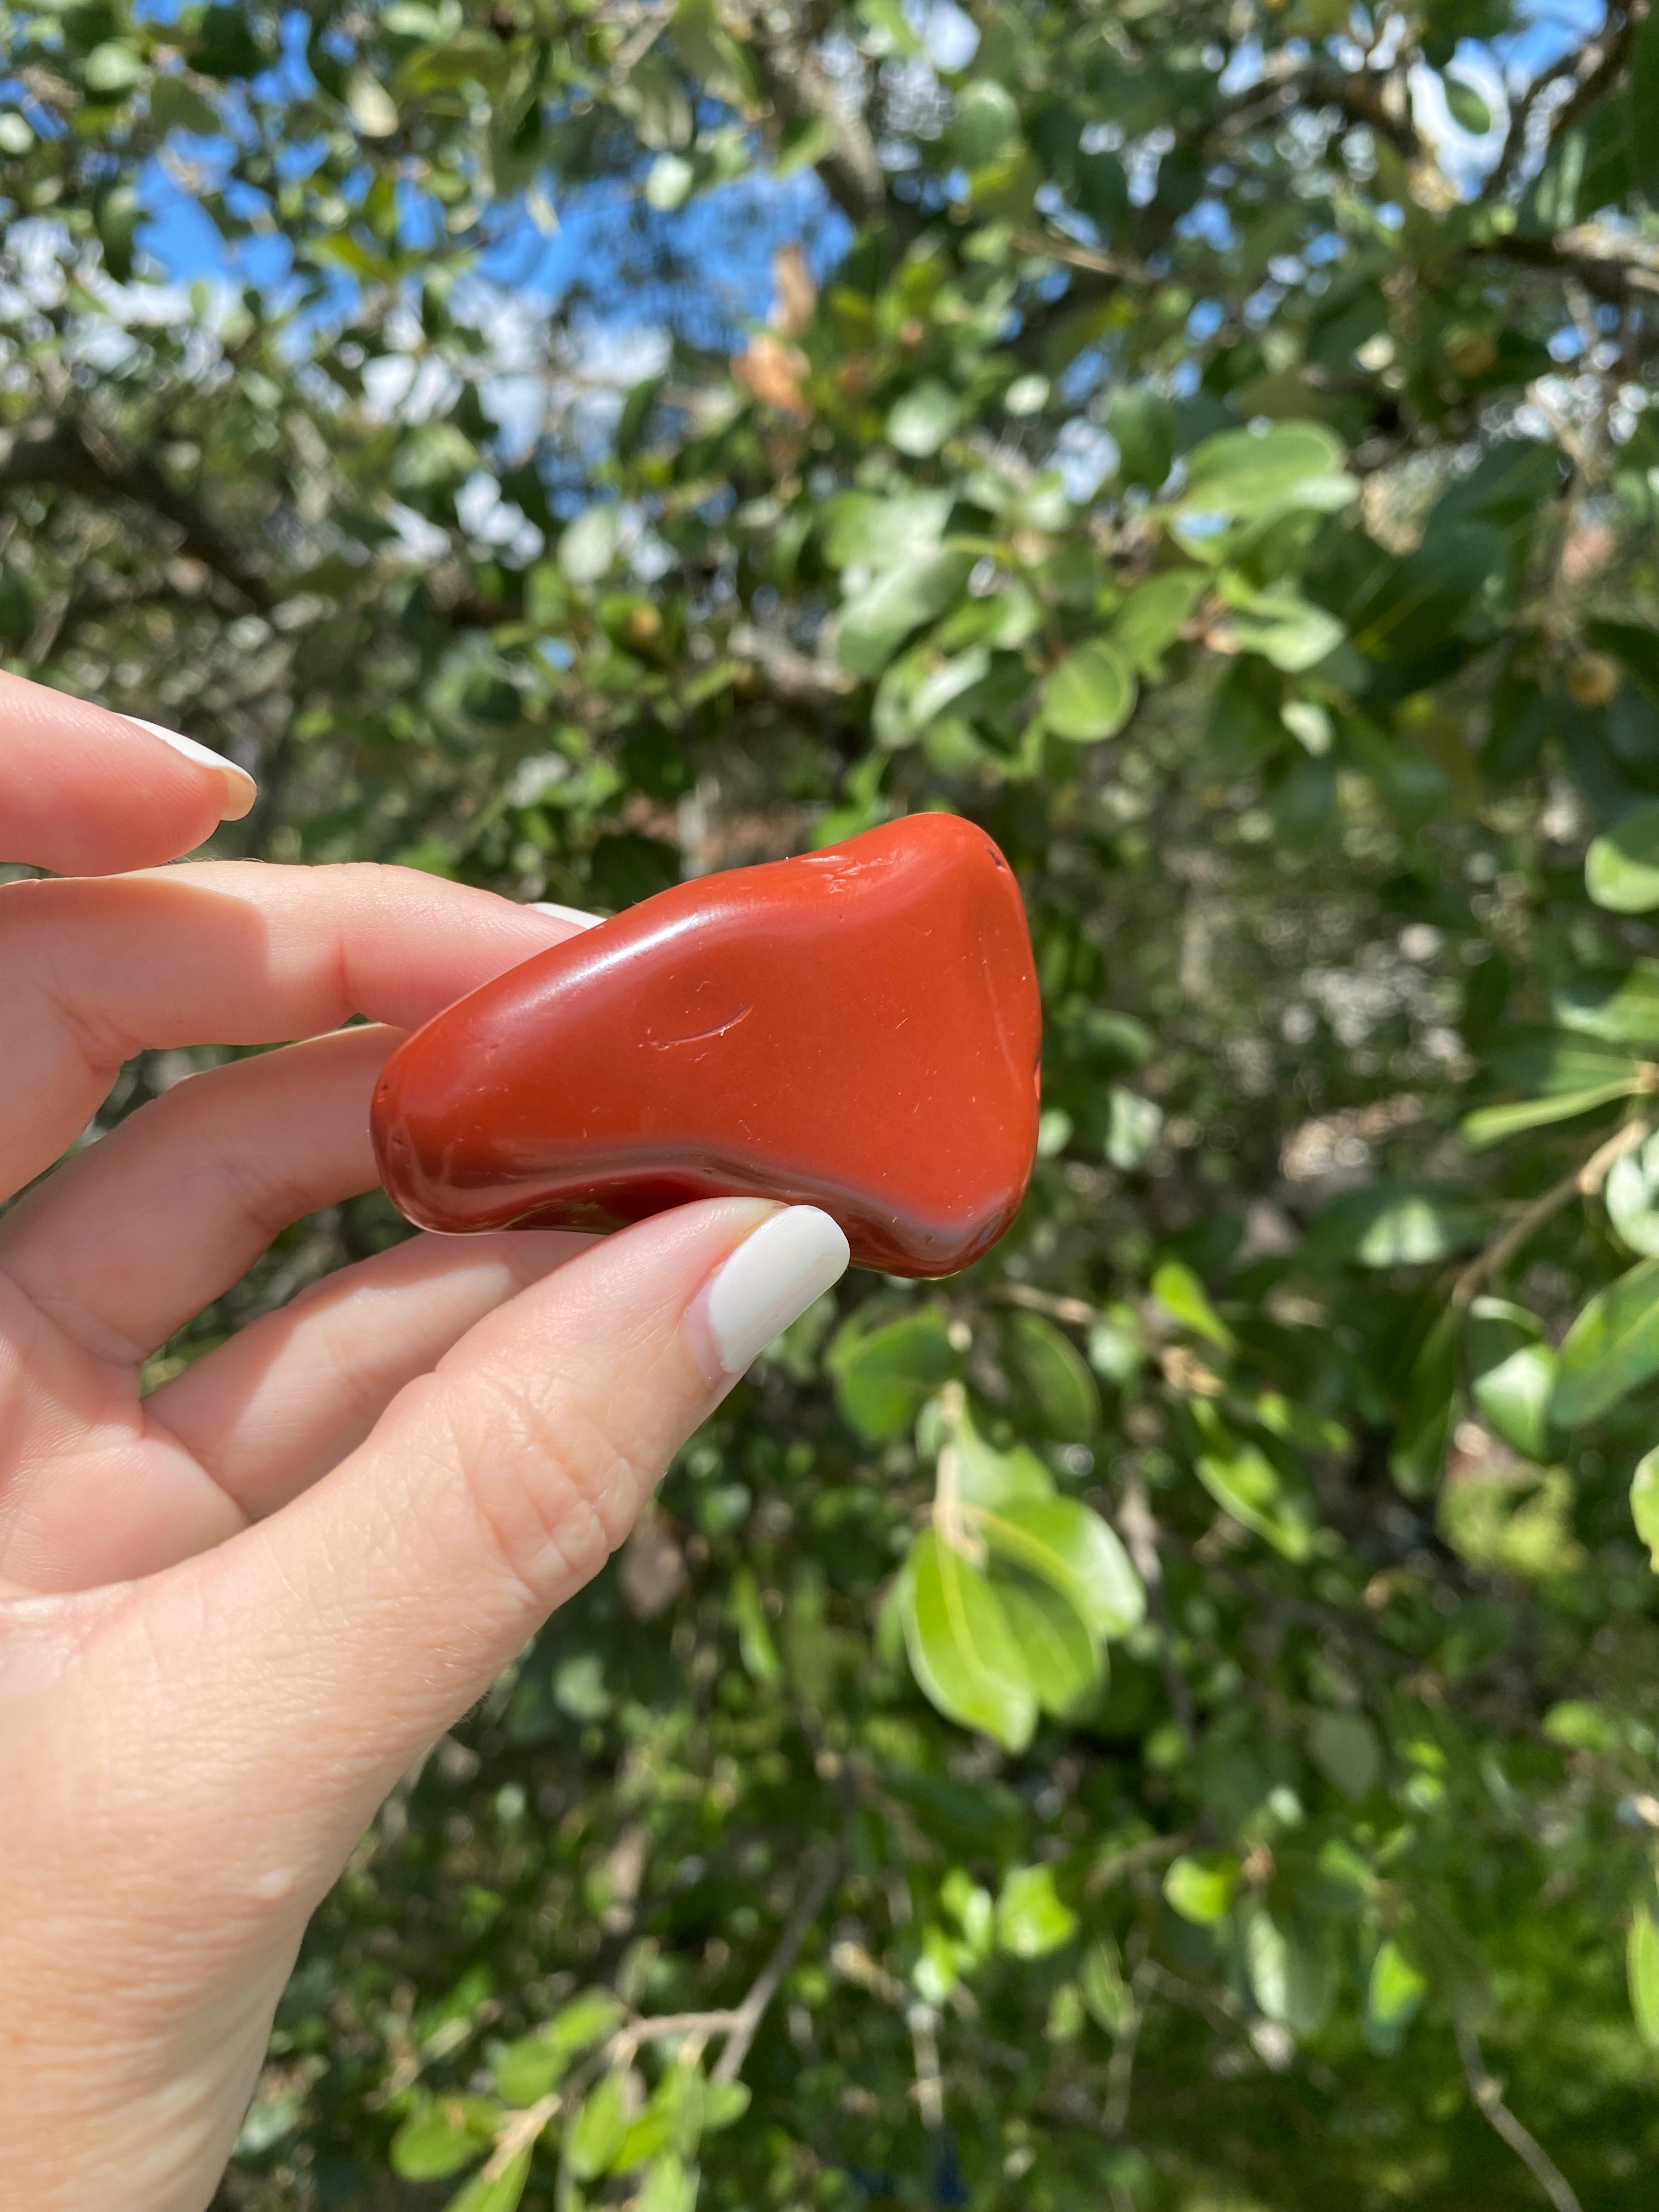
(234, 1612)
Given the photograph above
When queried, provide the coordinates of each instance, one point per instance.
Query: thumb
(330, 1644)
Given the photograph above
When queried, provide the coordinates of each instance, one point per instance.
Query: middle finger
(137, 1233)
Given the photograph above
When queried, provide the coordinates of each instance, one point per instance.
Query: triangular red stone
(858, 1028)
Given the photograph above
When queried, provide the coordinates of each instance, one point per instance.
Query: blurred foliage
(1156, 1721)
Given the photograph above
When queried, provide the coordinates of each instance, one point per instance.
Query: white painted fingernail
(240, 789)
(769, 1281)
(571, 913)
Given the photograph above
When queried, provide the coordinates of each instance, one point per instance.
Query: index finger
(223, 952)
(86, 792)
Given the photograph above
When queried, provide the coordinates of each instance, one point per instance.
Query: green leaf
(884, 1375)
(755, 1642)
(588, 546)
(1632, 1196)
(1642, 1969)
(1133, 1126)
(1394, 1991)
(1344, 1747)
(1621, 868)
(920, 423)
(527, 2069)
(1090, 694)
(113, 69)
(1052, 1376)
(1032, 1919)
(1491, 1125)
(595, 2134)
(1241, 474)
(1623, 1009)
(962, 1651)
(725, 2103)
(1292, 1976)
(1468, 109)
(1060, 1649)
(1287, 630)
(863, 530)
(1578, 1724)
(877, 619)
(1142, 423)
(176, 106)
(585, 2020)
(1068, 1545)
(1644, 1503)
(440, 2135)
(374, 112)
(670, 2186)
(985, 1476)
(1610, 1350)
(986, 120)
(1153, 617)
(1550, 1063)
(502, 2194)
(1513, 1398)
(1182, 1296)
(1108, 1997)
(1199, 1886)
(1398, 1224)
(1244, 1482)
(668, 182)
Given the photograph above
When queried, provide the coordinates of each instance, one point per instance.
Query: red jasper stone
(857, 1029)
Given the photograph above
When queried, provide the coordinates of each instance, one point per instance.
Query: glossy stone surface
(858, 1029)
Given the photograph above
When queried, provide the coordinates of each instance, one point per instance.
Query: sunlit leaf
(1645, 1501)
(499, 2193)
(1032, 1919)
(1632, 1196)
(1491, 1125)
(595, 2134)
(1610, 1350)
(1291, 1975)
(883, 1375)
(1069, 1545)
(1642, 1967)
(1182, 1295)
(961, 1649)
(439, 2136)
(1089, 693)
(1394, 1991)
(1621, 868)
(1513, 1398)
(1199, 1886)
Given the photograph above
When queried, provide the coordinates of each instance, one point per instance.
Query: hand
(234, 1612)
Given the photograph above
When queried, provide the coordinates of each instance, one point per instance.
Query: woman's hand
(234, 1612)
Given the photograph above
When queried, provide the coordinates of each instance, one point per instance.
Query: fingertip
(238, 791)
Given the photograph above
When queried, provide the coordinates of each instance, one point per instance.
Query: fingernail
(572, 914)
(769, 1281)
(240, 789)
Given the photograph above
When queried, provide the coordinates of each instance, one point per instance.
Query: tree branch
(1134, 1518)
(1489, 2102)
(1608, 263)
(1583, 1182)
(751, 2011)
(76, 455)
(800, 93)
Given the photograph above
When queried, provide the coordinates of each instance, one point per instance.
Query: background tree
(1167, 1718)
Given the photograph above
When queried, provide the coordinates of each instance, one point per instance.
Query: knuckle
(553, 1487)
